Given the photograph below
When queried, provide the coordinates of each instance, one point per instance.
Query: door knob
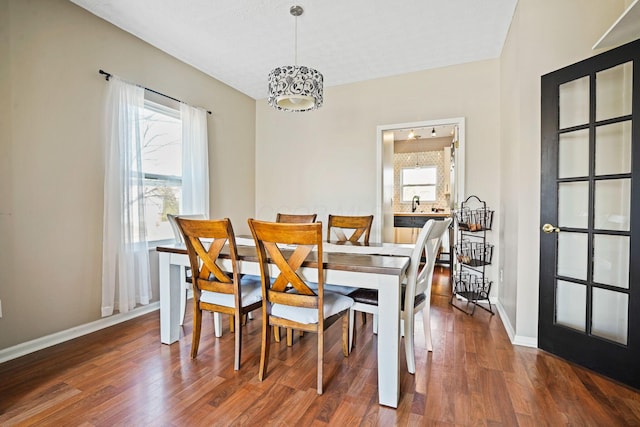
(548, 228)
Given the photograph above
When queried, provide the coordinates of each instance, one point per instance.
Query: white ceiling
(240, 41)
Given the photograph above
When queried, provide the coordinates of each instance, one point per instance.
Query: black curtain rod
(108, 75)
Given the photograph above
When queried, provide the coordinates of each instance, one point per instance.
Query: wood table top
(364, 263)
(424, 214)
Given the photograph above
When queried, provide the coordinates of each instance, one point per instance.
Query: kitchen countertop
(427, 214)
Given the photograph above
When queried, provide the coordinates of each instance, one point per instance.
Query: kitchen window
(419, 181)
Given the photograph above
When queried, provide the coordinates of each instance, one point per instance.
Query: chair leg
(266, 342)
(426, 322)
(320, 356)
(352, 329)
(197, 327)
(232, 324)
(217, 324)
(346, 333)
(375, 324)
(183, 306)
(276, 333)
(183, 296)
(289, 337)
(238, 347)
(408, 343)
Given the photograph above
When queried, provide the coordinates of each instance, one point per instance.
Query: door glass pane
(614, 91)
(612, 206)
(571, 303)
(574, 103)
(610, 315)
(572, 255)
(573, 154)
(573, 204)
(611, 260)
(613, 148)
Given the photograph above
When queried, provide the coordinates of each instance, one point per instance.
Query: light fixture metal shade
(295, 88)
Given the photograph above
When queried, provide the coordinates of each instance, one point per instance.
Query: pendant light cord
(295, 11)
(295, 43)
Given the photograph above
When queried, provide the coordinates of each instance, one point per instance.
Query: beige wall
(6, 237)
(325, 161)
(51, 156)
(545, 35)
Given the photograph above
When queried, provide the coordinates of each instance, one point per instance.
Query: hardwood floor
(124, 376)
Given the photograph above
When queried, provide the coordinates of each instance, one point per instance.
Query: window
(419, 182)
(161, 130)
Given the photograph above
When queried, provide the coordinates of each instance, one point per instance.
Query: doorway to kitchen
(406, 146)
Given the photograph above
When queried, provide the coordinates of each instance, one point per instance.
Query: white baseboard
(505, 321)
(515, 339)
(525, 341)
(75, 332)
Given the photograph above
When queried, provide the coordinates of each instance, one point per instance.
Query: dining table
(375, 266)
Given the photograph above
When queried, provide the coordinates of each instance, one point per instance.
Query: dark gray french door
(589, 310)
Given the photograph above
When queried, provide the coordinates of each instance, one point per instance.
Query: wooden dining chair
(358, 227)
(216, 289)
(289, 301)
(185, 272)
(291, 219)
(416, 294)
(296, 218)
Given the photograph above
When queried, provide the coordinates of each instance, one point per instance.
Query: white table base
(388, 287)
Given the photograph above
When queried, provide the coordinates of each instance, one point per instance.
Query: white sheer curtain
(125, 255)
(195, 161)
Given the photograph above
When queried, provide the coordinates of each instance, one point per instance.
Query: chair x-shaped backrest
(296, 218)
(359, 226)
(287, 246)
(208, 274)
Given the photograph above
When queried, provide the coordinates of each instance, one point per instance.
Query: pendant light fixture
(294, 87)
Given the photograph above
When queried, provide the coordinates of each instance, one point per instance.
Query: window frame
(150, 178)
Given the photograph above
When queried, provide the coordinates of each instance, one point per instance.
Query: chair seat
(337, 289)
(370, 297)
(250, 278)
(333, 304)
(251, 293)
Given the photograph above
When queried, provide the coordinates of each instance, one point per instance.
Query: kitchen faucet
(414, 203)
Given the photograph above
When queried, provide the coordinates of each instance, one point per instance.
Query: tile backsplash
(420, 159)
